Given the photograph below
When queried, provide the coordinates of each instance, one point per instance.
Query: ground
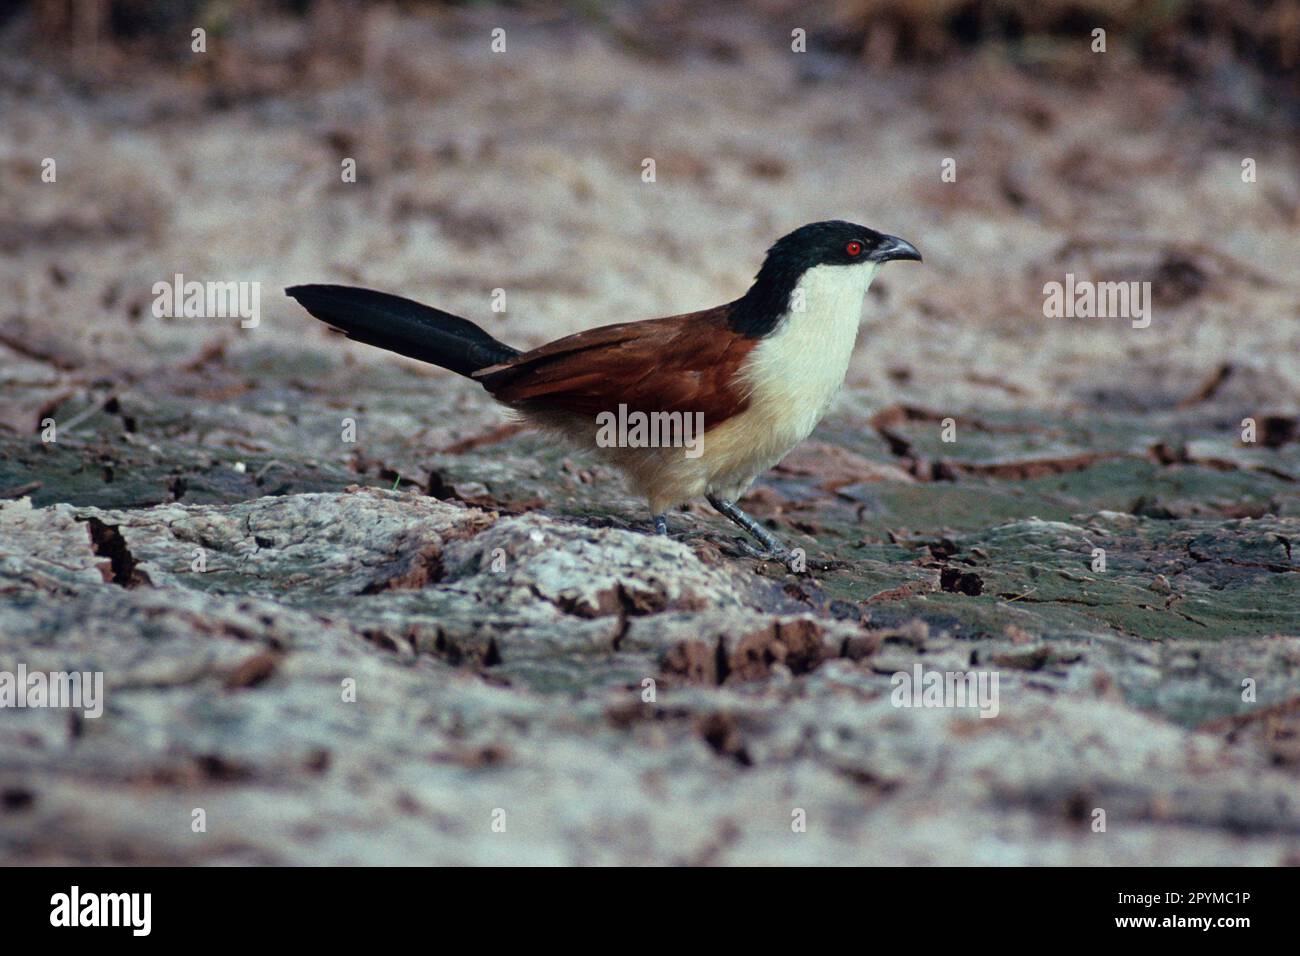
(451, 641)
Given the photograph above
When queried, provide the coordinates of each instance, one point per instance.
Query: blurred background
(522, 170)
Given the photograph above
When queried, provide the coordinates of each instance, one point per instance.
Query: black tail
(405, 327)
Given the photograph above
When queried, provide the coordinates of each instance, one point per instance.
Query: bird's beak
(891, 247)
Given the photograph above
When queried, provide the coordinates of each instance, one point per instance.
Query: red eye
(853, 248)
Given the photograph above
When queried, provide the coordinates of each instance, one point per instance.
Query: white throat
(828, 297)
(794, 374)
(810, 350)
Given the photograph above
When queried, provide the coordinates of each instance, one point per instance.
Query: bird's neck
(782, 293)
(809, 349)
(795, 371)
(759, 311)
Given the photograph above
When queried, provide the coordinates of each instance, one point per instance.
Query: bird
(750, 378)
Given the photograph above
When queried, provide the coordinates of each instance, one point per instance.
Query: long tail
(405, 327)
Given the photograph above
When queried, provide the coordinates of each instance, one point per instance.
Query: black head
(831, 243)
(836, 243)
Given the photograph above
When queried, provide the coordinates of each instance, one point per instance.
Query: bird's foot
(788, 556)
(796, 559)
(772, 550)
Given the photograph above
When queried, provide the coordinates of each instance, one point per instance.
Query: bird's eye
(853, 248)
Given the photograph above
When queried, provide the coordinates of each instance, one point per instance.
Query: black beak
(891, 247)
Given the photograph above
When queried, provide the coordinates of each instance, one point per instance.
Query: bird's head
(842, 253)
(837, 243)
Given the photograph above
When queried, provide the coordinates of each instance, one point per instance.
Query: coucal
(757, 374)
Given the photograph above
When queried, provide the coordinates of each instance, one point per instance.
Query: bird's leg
(661, 524)
(775, 549)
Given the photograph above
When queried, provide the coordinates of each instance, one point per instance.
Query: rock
(299, 547)
(45, 550)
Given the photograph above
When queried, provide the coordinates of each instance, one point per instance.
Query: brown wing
(685, 363)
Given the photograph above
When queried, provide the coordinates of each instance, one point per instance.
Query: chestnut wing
(685, 363)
